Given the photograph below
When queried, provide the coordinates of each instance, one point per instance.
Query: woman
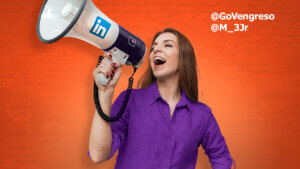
(163, 124)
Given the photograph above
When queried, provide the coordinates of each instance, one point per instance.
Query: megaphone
(82, 20)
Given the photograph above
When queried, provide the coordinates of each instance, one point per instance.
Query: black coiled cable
(97, 102)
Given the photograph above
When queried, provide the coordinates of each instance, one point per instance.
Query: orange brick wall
(249, 79)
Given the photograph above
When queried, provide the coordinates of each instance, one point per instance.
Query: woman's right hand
(109, 69)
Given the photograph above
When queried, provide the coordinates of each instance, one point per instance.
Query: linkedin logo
(100, 27)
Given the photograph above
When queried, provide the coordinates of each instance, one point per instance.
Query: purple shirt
(147, 138)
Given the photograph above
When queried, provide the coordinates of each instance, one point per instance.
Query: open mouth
(159, 61)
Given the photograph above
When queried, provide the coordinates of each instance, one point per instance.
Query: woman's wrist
(106, 92)
(107, 88)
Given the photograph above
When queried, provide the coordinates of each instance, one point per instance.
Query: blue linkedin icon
(100, 27)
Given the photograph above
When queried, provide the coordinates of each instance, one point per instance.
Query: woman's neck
(169, 90)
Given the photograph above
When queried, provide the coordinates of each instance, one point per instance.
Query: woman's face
(164, 56)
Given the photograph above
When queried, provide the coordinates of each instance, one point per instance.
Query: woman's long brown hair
(188, 79)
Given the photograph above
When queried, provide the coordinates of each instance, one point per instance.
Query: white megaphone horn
(81, 19)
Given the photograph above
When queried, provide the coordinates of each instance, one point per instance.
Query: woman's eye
(167, 45)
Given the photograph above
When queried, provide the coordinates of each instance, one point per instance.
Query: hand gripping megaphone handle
(117, 57)
(101, 78)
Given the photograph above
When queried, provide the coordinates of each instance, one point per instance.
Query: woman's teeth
(159, 61)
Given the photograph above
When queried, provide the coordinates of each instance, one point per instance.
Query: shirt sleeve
(119, 127)
(215, 146)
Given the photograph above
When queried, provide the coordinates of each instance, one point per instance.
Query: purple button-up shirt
(147, 138)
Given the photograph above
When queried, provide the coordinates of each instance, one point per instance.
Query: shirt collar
(154, 95)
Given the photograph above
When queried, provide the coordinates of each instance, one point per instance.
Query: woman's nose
(157, 49)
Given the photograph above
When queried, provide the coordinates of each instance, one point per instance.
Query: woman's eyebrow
(167, 40)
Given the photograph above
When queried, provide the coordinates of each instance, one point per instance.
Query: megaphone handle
(101, 77)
